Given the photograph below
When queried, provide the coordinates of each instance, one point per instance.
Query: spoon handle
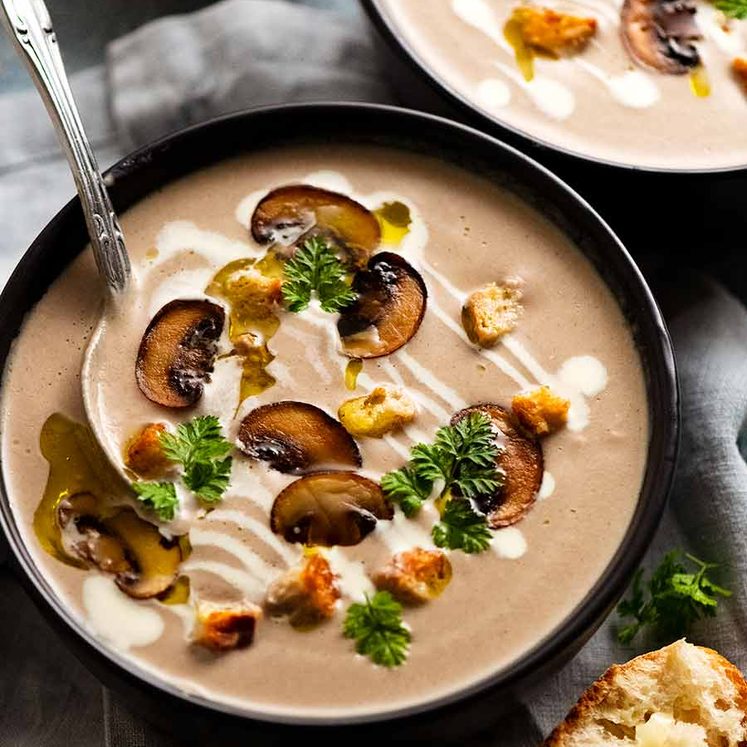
(30, 27)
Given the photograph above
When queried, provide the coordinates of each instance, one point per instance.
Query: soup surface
(596, 100)
(456, 232)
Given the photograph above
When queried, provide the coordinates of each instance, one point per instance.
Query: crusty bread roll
(679, 696)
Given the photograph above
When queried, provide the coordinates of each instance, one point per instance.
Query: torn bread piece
(492, 312)
(225, 626)
(679, 696)
(414, 576)
(540, 411)
(386, 408)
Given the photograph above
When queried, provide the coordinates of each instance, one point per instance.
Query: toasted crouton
(679, 696)
(144, 453)
(415, 576)
(224, 627)
(552, 33)
(253, 294)
(385, 409)
(739, 68)
(540, 411)
(491, 312)
(307, 594)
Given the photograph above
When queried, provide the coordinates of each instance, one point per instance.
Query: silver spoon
(30, 27)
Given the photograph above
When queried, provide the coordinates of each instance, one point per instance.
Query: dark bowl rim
(663, 396)
(495, 126)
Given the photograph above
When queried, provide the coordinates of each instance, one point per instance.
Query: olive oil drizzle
(523, 54)
(354, 367)
(700, 85)
(76, 465)
(394, 220)
(251, 322)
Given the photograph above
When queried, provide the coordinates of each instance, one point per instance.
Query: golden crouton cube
(225, 627)
(253, 295)
(144, 453)
(385, 409)
(552, 33)
(540, 411)
(739, 68)
(415, 576)
(491, 312)
(307, 594)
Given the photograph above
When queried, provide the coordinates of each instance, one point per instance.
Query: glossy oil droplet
(394, 220)
(354, 367)
(699, 83)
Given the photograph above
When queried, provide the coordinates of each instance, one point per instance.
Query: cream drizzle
(116, 618)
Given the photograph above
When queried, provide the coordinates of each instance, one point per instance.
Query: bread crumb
(225, 627)
(144, 453)
(307, 594)
(385, 409)
(739, 68)
(492, 312)
(540, 411)
(415, 576)
(555, 34)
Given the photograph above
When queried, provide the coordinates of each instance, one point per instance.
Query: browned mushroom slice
(660, 34)
(86, 536)
(288, 213)
(522, 462)
(390, 306)
(295, 437)
(155, 560)
(177, 352)
(329, 508)
(144, 562)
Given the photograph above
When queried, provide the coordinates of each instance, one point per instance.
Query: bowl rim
(494, 125)
(661, 386)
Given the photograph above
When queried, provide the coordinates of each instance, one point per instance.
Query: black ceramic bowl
(644, 205)
(148, 169)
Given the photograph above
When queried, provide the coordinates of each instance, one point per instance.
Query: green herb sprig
(672, 599)
(199, 446)
(159, 497)
(462, 528)
(733, 8)
(315, 270)
(463, 457)
(377, 628)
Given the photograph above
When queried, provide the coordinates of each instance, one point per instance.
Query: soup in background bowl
(656, 85)
(388, 417)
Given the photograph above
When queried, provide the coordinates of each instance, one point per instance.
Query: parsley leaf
(200, 448)
(376, 625)
(314, 269)
(208, 480)
(160, 497)
(407, 488)
(676, 598)
(461, 528)
(733, 8)
(199, 440)
(463, 456)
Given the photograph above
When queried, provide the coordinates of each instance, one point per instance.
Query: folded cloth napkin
(177, 71)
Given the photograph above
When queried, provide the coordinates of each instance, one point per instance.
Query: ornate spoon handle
(30, 26)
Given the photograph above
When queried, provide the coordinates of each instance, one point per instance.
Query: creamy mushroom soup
(374, 428)
(654, 83)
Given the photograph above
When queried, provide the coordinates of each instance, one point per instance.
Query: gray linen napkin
(177, 71)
